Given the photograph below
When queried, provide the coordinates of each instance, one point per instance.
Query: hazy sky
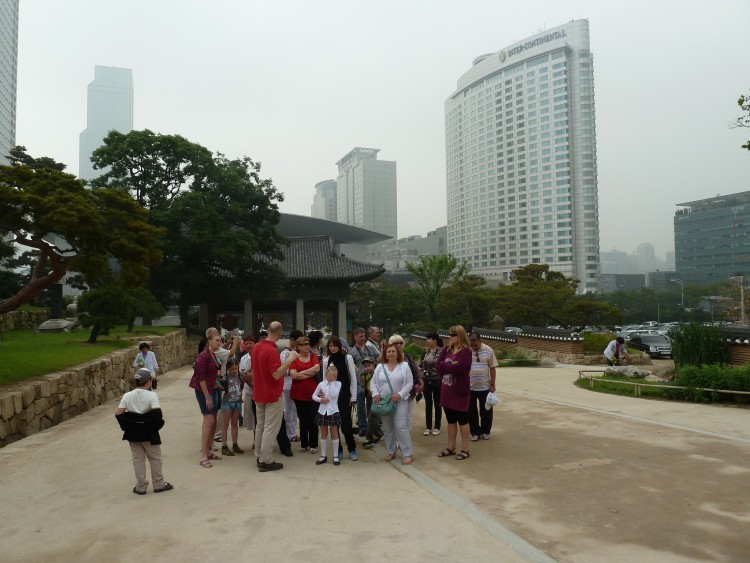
(298, 84)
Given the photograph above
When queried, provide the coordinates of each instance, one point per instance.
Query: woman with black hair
(347, 375)
(431, 383)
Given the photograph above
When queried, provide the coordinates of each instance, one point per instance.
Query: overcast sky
(298, 84)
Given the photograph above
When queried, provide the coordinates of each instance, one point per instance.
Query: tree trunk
(131, 322)
(94, 333)
(184, 316)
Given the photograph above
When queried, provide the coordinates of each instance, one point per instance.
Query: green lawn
(25, 354)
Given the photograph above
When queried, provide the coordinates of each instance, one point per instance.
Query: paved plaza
(568, 475)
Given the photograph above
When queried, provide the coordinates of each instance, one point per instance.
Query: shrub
(695, 344)
(714, 376)
(414, 350)
(596, 342)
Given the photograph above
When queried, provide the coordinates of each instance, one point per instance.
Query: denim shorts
(232, 406)
(202, 401)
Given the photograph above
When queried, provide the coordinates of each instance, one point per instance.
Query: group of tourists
(306, 393)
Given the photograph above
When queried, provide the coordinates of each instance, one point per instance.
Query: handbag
(384, 407)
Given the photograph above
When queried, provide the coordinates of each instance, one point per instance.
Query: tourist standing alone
(483, 370)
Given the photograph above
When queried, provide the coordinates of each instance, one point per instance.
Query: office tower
(109, 107)
(712, 239)
(8, 75)
(366, 191)
(645, 257)
(521, 159)
(324, 204)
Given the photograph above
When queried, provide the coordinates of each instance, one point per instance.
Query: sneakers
(273, 466)
(352, 455)
(474, 438)
(236, 449)
(436, 432)
(166, 487)
(305, 449)
(427, 432)
(226, 451)
(313, 450)
(485, 436)
(369, 443)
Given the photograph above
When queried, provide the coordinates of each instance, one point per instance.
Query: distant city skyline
(272, 79)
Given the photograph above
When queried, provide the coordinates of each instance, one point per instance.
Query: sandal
(294, 439)
(226, 451)
(213, 456)
(447, 452)
(389, 457)
(463, 455)
(206, 463)
(407, 460)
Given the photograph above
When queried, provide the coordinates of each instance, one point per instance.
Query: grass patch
(26, 354)
(612, 387)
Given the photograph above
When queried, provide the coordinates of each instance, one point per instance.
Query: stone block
(17, 402)
(13, 425)
(4, 429)
(33, 426)
(7, 406)
(27, 394)
(41, 405)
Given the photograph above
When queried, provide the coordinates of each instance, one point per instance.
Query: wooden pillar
(342, 319)
(203, 320)
(299, 315)
(249, 321)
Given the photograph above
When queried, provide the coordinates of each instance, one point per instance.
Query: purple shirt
(455, 381)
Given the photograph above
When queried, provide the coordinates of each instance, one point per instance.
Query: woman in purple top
(454, 365)
(205, 374)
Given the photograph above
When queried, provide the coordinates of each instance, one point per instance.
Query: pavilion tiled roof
(315, 259)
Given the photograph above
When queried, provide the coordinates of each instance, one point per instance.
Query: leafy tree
(537, 296)
(144, 304)
(467, 301)
(103, 308)
(431, 274)
(219, 216)
(102, 234)
(392, 308)
(153, 168)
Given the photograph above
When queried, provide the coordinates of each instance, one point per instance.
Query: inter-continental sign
(533, 43)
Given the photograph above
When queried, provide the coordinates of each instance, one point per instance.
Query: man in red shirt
(268, 385)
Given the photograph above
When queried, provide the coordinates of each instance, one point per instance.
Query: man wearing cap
(268, 386)
(140, 418)
(361, 349)
(374, 433)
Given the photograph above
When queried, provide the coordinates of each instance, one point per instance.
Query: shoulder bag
(386, 407)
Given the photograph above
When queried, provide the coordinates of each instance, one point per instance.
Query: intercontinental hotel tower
(521, 159)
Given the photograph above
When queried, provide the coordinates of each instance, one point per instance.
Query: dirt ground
(568, 475)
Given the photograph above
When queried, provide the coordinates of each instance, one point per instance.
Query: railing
(638, 385)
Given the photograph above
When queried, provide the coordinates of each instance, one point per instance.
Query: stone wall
(22, 320)
(37, 404)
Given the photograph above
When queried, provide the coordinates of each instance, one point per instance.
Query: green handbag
(385, 407)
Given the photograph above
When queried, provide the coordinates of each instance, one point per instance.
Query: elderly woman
(347, 376)
(393, 380)
(205, 375)
(454, 366)
(303, 371)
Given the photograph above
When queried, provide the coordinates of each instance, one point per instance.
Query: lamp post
(682, 291)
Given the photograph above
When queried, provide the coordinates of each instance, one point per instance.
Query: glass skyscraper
(8, 75)
(109, 107)
(521, 159)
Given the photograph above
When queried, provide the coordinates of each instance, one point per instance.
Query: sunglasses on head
(452, 334)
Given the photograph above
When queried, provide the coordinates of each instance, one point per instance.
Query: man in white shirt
(616, 351)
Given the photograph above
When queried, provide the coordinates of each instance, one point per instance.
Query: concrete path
(568, 475)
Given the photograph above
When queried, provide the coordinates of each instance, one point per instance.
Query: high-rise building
(109, 107)
(8, 75)
(712, 239)
(324, 203)
(645, 257)
(521, 159)
(366, 191)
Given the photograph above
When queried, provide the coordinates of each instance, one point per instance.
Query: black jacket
(141, 427)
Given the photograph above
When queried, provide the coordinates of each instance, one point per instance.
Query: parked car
(655, 345)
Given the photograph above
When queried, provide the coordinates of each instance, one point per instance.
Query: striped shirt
(482, 361)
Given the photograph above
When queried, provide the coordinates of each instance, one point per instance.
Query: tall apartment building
(521, 159)
(109, 107)
(324, 203)
(8, 75)
(366, 191)
(712, 239)
(645, 258)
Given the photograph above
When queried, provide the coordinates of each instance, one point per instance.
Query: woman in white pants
(395, 426)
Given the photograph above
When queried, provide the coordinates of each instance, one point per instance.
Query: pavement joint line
(632, 417)
(470, 511)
